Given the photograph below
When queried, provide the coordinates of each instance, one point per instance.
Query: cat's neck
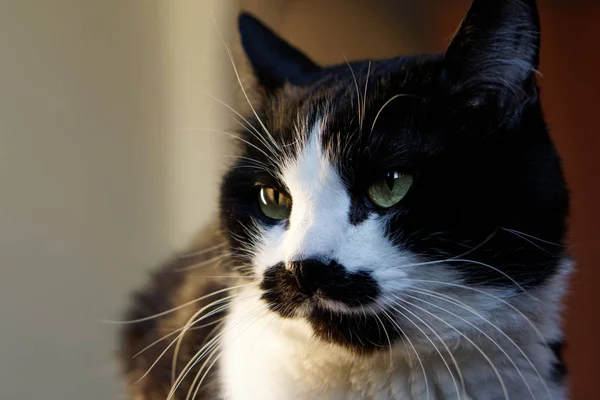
(267, 357)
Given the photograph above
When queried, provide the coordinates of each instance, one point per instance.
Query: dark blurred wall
(328, 30)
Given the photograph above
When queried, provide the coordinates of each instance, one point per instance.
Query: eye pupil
(274, 204)
(390, 180)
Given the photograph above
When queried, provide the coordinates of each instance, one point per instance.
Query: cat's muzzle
(314, 282)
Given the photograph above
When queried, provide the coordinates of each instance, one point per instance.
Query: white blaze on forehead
(319, 225)
(321, 203)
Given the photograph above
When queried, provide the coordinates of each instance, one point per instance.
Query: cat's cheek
(268, 249)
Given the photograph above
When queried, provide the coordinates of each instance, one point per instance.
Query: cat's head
(383, 194)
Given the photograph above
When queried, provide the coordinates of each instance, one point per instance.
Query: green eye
(274, 204)
(390, 189)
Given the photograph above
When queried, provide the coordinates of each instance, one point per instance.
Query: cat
(392, 229)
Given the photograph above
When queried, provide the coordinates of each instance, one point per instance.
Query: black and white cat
(393, 229)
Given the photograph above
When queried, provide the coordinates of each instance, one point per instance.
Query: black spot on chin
(363, 334)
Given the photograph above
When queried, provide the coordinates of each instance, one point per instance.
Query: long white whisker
(498, 271)
(492, 340)
(386, 335)
(235, 70)
(191, 322)
(387, 103)
(456, 285)
(255, 132)
(202, 251)
(204, 263)
(533, 237)
(169, 346)
(458, 370)
(483, 354)
(218, 356)
(233, 136)
(270, 144)
(172, 310)
(456, 302)
(404, 336)
(364, 110)
(177, 330)
(357, 89)
(203, 351)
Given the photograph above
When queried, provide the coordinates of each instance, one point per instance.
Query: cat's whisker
(190, 323)
(384, 106)
(215, 341)
(492, 340)
(218, 325)
(364, 109)
(471, 342)
(233, 136)
(443, 343)
(458, 303)
(531, 242)
(511, 279)
(201, 252)
(434, 262)
(534, 237)
(217, 348)
(270, 144)
(198, 356)
(248, 125)
(176, 340)
(248, 159)
(203, 263)
(180, 307)
(174, 332)
(198, 385)
(358, 98)
(235, 70)
(480, 291)
(386, 335)
(405, 339)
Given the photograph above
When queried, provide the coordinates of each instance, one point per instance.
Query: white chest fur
(268, 358)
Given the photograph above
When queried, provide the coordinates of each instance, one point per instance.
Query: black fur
(560, 369)
(274, 61)
(468, 125)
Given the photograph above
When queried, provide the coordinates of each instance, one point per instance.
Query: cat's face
(377, 200)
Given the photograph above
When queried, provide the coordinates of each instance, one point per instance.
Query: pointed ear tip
(246, 21)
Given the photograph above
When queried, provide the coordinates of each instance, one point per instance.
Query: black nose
(310, 274)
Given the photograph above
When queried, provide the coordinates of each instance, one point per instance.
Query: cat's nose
(310, 275)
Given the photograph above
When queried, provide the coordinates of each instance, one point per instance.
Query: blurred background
(108, 163)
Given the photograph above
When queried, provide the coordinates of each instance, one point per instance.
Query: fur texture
(453, 292)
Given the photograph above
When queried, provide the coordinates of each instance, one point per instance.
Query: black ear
(496, 50)
(274, 61)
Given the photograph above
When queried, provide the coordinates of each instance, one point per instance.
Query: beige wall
(102, 174)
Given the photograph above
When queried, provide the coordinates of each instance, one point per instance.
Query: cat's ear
(496, 49)
(274, 61)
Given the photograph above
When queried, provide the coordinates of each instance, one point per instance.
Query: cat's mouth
(339, 305)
